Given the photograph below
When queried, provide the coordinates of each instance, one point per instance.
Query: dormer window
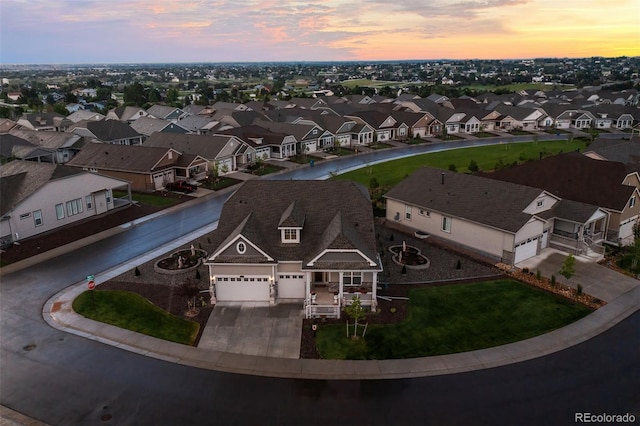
(290, 235)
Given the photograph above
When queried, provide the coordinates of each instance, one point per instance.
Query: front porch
(329, 291)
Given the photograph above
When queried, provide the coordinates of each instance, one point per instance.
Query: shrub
(137, 272)
(393, 310)
(404, 269)
(538, 275)
(458, 264)
(452, 167)
(553, 280)
(198, 276)
(391, 237)
(579, 290)
(473, 166)
(373, 183)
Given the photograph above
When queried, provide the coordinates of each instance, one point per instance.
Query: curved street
(60, 378)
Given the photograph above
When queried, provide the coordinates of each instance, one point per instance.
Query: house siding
(59, 192)
(475, 236)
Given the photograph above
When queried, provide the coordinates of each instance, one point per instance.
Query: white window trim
(88, 200)
(285, 240)
(241, 247)
(407, 212)
(632, 201)
(446, 220)
(37, 217)
(60, 211)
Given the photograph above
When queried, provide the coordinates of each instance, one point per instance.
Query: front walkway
(596, 280)
(255, 329)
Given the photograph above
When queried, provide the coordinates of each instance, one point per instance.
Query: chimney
(442, 178)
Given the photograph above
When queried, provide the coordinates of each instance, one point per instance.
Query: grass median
(133, 312)
(486, 157)
(456, 318)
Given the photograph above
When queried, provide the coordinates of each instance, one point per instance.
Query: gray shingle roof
(482, 200)
(20, 179)
(337, 214)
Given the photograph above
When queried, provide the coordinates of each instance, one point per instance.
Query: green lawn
(148, 199)
(392, 172)
(133, 312)
(340, 151)
(221, 183)
(380, 145)
(456, 318)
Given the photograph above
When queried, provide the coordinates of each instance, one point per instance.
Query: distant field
(374, 83)
(517, 87)
(392, 172)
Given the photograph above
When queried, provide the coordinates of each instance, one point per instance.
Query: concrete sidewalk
(59, 314)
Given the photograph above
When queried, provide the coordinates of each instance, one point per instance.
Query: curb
(58, 313)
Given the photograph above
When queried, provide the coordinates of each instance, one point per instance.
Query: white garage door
(242, 288)
(291, 286)
(526, 249)
(626, 229)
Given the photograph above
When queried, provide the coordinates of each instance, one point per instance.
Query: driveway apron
(596, 280)
(255, 329)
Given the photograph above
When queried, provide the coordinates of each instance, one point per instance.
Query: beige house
(572, 176)
(500, 220)
(311, 242)
(41, 197)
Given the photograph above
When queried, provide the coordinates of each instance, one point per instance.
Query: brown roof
(136, 158)
(337, 214)
(574, 177)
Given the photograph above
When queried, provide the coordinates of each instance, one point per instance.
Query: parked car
(181, 186)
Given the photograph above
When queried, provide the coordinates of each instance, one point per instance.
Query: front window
(407, 213)
(108, 195)
(632, 202)
(88, 200)
(59, 211)
(352, 279)
(74, 207)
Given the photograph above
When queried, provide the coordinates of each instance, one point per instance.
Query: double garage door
(526, 249)
(240, 288)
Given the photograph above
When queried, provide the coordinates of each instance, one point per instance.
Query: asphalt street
(63, 379)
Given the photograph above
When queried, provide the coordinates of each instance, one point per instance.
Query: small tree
(568, 267)
(189, 290)
(356, 312)
(373, 183)
(473, 166)
(214, 172)
(136, 272)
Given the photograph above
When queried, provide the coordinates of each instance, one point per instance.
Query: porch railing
(312, 310)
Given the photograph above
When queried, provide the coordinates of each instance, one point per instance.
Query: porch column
(340, 285)
(307, 286)
(374, 292)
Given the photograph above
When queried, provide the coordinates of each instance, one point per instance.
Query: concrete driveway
(255, 329)
(596, 280)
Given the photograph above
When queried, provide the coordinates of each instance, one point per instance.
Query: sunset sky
(107, 31)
